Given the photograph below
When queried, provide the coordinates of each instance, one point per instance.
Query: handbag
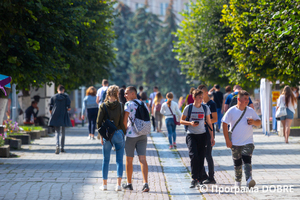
(281, 111)
(108, 128)
(230, 132)
(174, 118)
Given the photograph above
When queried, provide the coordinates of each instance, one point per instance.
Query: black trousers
(197, 146)
(210, 161)
(153, 122)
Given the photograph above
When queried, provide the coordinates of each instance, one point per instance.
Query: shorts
(290, 115)
(138, 143)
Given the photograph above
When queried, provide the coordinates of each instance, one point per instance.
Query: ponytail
(170, 98)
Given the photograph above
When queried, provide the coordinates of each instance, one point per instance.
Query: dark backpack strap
(136, 102)
(106, 111)
(190, 106)
(205, 109)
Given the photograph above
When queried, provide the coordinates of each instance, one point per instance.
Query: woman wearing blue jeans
(168, 109)
(115, 111)
(89, 103)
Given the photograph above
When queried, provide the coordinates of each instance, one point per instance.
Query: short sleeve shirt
(100, 92)
(130, 107)
(218, 98)
(242, 133)
(197, 115)
(212, 107)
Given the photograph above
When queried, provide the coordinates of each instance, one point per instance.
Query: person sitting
(30, 111)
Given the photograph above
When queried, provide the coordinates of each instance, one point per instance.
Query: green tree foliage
(170, 78)
(143, 69)
(201, 47)
(44, 41)
(122, 44)
(264, 38)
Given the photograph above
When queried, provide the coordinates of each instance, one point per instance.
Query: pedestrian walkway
(38, 173)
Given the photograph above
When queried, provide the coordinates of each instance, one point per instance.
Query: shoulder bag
(281, 111)
(174, 117)
(230, 132)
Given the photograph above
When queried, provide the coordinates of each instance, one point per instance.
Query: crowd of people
(203, 112)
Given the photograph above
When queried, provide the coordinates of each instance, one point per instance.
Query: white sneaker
(250, 182)
(103, 187)
(89, 137)
(237, 184)
(118, 188)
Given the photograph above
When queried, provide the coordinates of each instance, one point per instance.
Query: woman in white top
(166, 111)
(288, 99)
(158, 101)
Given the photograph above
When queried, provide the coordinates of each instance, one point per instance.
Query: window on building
(163, 8)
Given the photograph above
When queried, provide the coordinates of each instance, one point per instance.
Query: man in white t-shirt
(241, 142)
(151, 97)
(133, 140)
(101, 91)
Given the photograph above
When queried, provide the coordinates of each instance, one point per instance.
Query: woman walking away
(168, 109)
(122, 98)
(288, 99)
(89, 103)
(158, 101)
(113, 109)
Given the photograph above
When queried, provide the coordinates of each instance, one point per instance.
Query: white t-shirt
(152, 96)
(242, 133)
(130, 107)
(291, 107)
(197, 115)
(100, 92)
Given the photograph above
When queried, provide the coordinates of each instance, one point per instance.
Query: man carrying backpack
(231, 99)
(134, 140)
(101, 93)
(194, 117)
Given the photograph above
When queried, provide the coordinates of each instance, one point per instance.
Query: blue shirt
(230, 96)
(89, 102)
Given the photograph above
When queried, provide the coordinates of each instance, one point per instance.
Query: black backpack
(233, 101)
(103, 96)
(108, 128)
(141, 112)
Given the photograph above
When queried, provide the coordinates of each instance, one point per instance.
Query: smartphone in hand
(196, 122)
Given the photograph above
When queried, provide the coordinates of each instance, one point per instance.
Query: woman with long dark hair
(288, 99)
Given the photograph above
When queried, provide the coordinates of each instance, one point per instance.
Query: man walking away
(196, 134)
(231, 99)
(218, 99)
(241, 118)
(101, 92)
(59, 107)
(214, 118)
(133, 140)
(152, 96)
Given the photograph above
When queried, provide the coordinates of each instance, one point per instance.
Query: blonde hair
(288, 93)
(91, 91)
(169, 97)
(157, 99)
(112, 91)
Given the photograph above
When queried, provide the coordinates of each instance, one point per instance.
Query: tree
(201, 47)
(122, 44)
(168, 66)
(47, 41)
(143, 70)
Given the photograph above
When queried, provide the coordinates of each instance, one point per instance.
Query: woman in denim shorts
(288, 99)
